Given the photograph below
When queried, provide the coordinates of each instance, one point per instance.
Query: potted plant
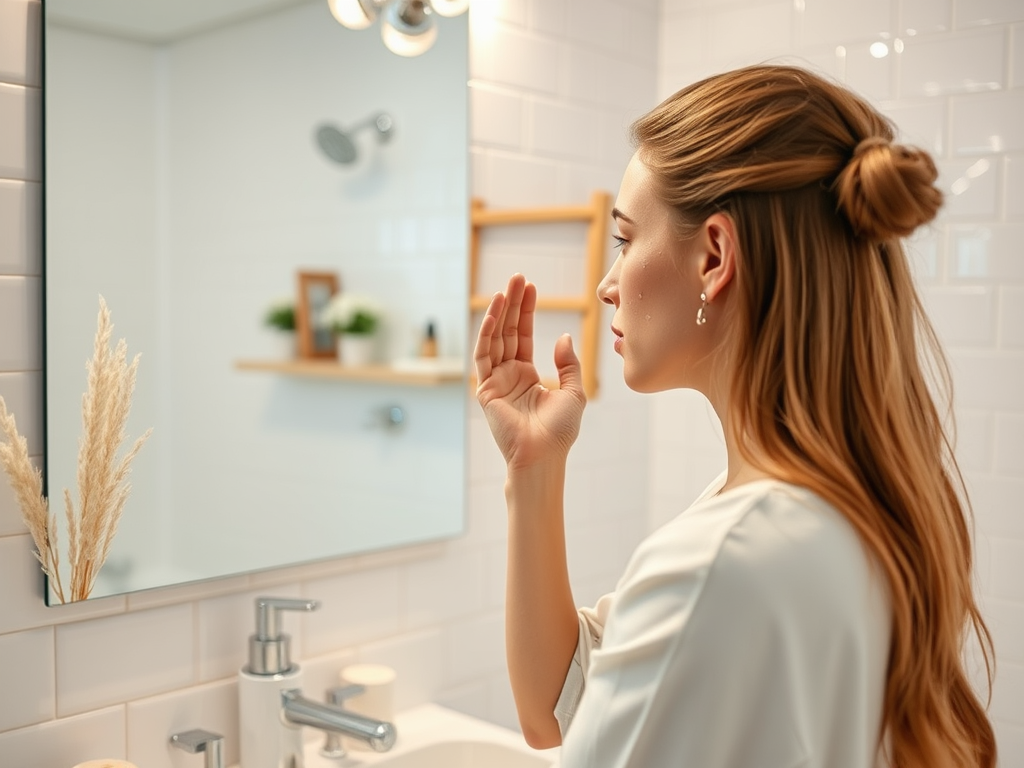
(281, 315)
(280, 318)
(354, 319)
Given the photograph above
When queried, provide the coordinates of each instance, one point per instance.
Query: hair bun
(888, 190)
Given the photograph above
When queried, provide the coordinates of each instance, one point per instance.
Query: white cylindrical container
(264, 739)
(377, 698)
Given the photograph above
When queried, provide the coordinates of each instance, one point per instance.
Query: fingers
(486, 337)
(506, 331)
(514, 294)
(527, 313)
(570, 376)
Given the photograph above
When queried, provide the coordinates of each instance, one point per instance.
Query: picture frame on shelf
(315, 338)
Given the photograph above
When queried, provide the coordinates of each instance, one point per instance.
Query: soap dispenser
(265, 739)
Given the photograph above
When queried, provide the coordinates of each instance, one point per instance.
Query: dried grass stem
(103, 486)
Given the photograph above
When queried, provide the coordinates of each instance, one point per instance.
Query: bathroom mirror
(185, 184)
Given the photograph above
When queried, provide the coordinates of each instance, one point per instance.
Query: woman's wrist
(537, 486)
(538, 474)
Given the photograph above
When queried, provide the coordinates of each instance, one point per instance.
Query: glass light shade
(405, 44)
(352, 13)
(408, 27)
(449, 7)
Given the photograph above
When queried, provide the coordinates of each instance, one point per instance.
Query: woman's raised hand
(530, 423)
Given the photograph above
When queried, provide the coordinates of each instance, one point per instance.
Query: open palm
(530, 422)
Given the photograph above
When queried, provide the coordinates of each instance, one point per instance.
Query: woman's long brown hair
(833, 358)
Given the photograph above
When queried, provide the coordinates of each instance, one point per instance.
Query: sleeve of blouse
(592, 621)
(591, 630)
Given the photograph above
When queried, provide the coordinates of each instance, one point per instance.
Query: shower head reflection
(338, 144)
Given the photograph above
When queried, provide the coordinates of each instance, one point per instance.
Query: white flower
(351, 313)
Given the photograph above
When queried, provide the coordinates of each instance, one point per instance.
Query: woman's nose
(607, 289)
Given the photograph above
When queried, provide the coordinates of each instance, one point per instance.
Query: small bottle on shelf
(429, 346)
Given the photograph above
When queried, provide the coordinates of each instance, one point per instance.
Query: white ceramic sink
(466, 754)
(431, 736)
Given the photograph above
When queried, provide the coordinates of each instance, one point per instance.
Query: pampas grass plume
(102, 478)
(27, 483)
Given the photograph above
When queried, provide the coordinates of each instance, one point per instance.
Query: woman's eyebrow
(617, 214)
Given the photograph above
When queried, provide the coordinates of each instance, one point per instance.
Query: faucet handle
(198, 740)
(336, 696)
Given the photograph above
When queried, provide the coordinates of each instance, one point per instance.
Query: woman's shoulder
(759, 535)
(761, 602)
(791, 508)
(765, 560)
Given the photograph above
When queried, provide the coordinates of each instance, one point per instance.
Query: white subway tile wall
(923, 16)
(19, 125)
(62, 742)
(955, 62)
(26, 664)
(19, 28)
(1011, 317)
(19, 217)
(550, 104)
(107, 661)
(149, 720)
(951, 76)
(20, 311)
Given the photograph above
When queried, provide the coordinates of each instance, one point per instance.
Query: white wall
(956, 88)
(114, 677)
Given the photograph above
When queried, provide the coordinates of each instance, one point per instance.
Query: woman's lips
(617, 345)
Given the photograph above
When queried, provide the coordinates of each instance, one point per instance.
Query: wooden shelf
(594, 214)
(484, 217)
(330, 369)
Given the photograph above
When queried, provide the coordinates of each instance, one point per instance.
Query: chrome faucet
(333, 747)
(332, 719)
(272, 707)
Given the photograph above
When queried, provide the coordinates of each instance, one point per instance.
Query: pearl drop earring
(702, 316)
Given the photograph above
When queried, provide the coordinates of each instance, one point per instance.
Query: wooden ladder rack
(595, 214)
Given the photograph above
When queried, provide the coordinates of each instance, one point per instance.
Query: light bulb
(408, 27)
(879, 50)
(449, 7)
(353, 14)
(407, 45)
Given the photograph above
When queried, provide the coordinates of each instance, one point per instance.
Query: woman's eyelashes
(619, 241)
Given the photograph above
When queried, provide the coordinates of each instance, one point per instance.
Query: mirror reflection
(199, 157)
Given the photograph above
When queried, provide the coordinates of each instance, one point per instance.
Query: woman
(810, 608)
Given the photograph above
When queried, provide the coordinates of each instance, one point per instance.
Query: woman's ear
(718, 264)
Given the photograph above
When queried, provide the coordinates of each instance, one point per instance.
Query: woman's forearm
(541, 624)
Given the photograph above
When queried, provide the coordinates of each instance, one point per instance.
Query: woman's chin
(647, 381)
(637, 381)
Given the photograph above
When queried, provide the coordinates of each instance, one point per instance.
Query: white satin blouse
(750, 632)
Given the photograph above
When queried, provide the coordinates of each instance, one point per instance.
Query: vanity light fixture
(407, 27)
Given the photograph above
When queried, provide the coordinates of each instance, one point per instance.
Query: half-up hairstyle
(832, 358)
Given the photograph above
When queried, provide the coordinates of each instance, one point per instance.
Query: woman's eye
(619, 241)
